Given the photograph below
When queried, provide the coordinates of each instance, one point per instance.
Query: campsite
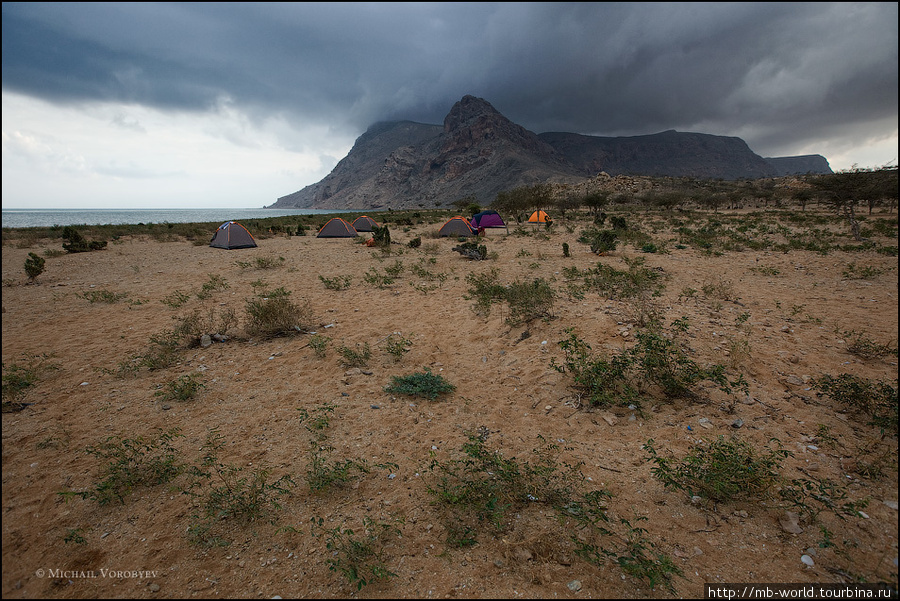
(426, 425)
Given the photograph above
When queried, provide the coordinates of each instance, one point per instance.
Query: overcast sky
(214, 105)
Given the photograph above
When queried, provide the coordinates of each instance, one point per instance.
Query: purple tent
(487, 219)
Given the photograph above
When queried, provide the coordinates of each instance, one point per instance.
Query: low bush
(877, 399)
(426, 385)
(273, 314)
(720, 471)
(131, 463)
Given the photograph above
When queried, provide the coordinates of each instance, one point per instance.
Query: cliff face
(800, 165)
(669, 153)
(479, 152)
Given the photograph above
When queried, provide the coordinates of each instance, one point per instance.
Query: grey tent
(456, 226)
(337, 228)
(231, 235)
(364, 224)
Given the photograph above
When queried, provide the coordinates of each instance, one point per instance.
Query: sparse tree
(34, 266)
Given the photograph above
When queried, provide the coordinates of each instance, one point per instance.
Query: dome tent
(231, 235)
(539, 217)
(486, 219)
(364, 224)
(456, 226)
(337, 228)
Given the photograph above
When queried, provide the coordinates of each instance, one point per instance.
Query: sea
(17, 218)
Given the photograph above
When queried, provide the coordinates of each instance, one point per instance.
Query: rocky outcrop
(666, 154)
(800, 165)
(478, 152)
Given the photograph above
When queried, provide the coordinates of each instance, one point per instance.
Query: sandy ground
(790, 308)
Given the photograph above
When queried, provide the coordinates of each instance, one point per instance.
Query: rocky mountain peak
(479, 152)
(470, 110)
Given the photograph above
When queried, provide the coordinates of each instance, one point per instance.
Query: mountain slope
(478, 152)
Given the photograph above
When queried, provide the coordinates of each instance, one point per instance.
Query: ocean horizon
(22, 218)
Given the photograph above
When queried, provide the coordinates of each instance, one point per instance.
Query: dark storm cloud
(776, 74)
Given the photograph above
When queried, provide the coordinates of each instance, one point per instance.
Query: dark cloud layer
(780, 75)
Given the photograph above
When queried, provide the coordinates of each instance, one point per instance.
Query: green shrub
(34, 266)
(623, 378)
(319, 344)
(374, 278)
(102, 296)
(877, 399)
(480, 487)
(341, 282)
(176, 299)
(274, 314)
(131, 463)
(19, 377)
(863, 346)
(225, 493)
(360, 560)
(720, 471)
(323, 473)
(381, 236)
(185, 388)
(76, 243)
(600, 241)
(358, 357)
(528, 301)
(397, 345)
(426, 385)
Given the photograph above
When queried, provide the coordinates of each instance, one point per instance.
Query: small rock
(575, 585)
(891, 504)
(154, 588)
(807, 560)
(705, 423)
(737, 423)
(790, 522)
(206, 341)
(696, 500)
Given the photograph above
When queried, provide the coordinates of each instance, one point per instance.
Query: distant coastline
(22, 218)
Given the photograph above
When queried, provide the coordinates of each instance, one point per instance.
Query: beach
(279, 410)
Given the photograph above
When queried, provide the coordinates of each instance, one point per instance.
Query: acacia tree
(843, 191)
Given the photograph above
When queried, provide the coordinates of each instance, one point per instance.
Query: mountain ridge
(479, 152)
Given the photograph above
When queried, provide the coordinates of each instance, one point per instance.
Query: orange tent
(539, 217)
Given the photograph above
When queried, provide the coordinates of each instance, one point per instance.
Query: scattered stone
(154, 588)
(574, 586)
(891, 504)
(696, 500)
(737, 423)
(206, 341)
(790, 522)
(705, 423)
(807, 560)
(741, 514)
(612, 420)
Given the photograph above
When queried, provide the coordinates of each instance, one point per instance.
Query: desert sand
(781, 321)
